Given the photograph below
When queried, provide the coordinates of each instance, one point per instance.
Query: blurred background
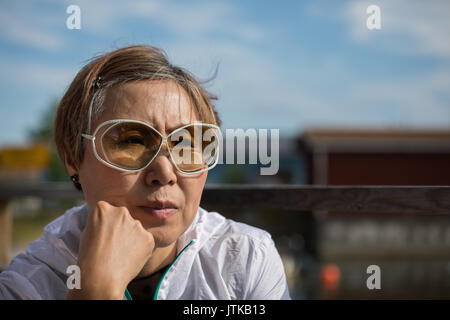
(353, 105)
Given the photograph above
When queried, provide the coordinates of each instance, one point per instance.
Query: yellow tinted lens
(130, 145)
(194, 148)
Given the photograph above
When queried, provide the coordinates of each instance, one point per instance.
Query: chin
(163, 238)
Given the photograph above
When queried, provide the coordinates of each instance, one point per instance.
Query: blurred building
(24, 164)
(291, 167)
(413, 251)
(327, 253)
(377, 157)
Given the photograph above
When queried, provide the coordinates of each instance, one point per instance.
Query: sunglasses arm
(89, 137)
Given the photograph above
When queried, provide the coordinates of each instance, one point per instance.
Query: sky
(290, 65)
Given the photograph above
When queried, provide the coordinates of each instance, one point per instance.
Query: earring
(75, 181)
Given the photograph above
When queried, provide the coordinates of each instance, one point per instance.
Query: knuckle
(102, 205)
(124, 212)
(96, 212)
(150, 238)
(137, 224)
(102, 208)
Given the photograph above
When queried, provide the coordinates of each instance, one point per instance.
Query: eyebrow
(173, 128)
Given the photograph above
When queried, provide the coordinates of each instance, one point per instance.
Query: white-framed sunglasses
(131, 145)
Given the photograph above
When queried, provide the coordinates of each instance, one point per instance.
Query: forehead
(164, 105)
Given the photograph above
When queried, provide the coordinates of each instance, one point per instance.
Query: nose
(161, 171)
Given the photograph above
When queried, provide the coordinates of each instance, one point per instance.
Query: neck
(160, 258)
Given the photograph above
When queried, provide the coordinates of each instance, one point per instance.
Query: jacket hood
(227, 260)
(59, 244)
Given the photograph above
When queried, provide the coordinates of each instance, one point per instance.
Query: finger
(100, 210)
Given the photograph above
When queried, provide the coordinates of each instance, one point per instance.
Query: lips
(159, 209)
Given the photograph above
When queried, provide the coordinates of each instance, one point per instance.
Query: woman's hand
(114, 248)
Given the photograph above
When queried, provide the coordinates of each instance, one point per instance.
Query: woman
(137, 136)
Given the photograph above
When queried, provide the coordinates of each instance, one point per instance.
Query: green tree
(234, 174)
(43, 133)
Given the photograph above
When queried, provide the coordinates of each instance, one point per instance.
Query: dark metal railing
(373, 199)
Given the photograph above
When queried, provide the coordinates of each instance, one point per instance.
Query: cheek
(192, 189)
(100, 182)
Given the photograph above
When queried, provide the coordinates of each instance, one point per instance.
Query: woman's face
(165, 106)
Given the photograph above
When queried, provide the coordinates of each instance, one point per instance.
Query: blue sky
(290, 65)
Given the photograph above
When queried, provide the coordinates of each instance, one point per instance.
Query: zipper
(155, 296)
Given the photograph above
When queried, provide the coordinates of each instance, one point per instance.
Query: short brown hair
(89, 88)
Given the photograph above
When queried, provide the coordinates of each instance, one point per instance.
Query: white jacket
(222, 259)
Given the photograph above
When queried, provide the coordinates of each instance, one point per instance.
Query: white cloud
(25, 74)
(254, 89)
(414, 101)
(407, 26)
(30, 26)
(34, 84)
(184, 19)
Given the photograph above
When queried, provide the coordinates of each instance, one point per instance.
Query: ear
(71, 170)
